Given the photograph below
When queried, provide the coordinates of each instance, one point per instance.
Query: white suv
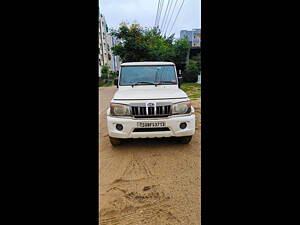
(149, 104)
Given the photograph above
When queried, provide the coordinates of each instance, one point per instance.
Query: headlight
(119, 110)
(181, 108)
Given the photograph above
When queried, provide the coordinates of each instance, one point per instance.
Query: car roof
(148, 64)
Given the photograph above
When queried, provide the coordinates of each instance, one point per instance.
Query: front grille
(151, 129)
(158, 111)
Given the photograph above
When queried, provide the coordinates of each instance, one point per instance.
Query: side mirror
(179, 81)
(116, 82)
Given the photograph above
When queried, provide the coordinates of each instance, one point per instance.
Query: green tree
(139, 44)
(197, 58)
(191, 71)
(181, 50)
(133, 47)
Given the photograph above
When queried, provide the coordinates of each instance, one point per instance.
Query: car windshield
(147, 75)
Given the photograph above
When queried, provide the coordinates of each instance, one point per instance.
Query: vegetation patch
(105, 84)
(193, 90)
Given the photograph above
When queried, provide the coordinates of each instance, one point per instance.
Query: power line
(157, 13)
(171, 17)
(160, 4)
(165, 14)
(176, 16)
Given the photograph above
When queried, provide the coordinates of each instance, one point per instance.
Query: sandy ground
(148, 181)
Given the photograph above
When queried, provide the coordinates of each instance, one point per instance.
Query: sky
(144, 13)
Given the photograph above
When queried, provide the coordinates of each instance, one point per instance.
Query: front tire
(185, 139)
(115, 141)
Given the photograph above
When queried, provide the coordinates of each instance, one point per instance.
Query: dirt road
(148, 181)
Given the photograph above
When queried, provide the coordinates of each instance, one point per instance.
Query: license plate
(150, 124)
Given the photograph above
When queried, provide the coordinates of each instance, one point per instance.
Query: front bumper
(129, 124)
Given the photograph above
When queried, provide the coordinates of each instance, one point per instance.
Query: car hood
(138, 93)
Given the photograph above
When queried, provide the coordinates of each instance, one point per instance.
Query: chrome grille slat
(161, 110)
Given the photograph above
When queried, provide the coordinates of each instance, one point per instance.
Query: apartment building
(104, 47)
(106, 42)
(193, 36)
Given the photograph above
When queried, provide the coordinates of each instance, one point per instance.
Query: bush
(104, 71)
(113, 75)
(191, 72)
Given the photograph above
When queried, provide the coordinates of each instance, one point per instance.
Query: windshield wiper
(143, 82)
(167, 82)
